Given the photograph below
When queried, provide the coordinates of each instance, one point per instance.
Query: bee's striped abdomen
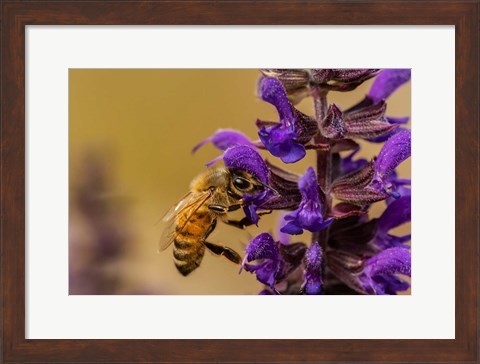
(188, 249)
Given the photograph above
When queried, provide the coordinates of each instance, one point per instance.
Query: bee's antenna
(270, 188)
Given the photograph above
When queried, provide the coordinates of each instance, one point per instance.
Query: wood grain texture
(17, 14)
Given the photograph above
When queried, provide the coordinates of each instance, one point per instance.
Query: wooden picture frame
(17, 14)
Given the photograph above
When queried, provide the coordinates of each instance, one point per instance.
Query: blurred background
(131, 134)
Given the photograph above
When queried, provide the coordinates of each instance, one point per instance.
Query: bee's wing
(188, 205)
(170, 214)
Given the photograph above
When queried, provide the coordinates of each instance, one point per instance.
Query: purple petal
(390, 241)
(396, 214)
(262, 247)
(398, 120)
(280, 141)
(389, 261)
(224, 139)
(378, 274)
(250, 211)
(272, 91)
(308, 215)
(389, 284)
(292, 228)
(214, 160)
(265, 271)
(309, 186)
(394, 152)
(313, 270)
(248, 159)
(387, 82)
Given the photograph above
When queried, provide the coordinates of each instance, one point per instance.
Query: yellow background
(140, 127)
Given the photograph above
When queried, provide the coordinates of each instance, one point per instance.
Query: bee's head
(243, 183)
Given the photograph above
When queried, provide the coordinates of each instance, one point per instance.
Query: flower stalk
(324, 162)
(350, 252)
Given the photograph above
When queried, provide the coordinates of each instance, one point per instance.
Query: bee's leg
(243, 223)
(218, 208)
(228, 253)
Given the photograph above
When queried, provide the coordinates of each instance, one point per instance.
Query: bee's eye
(241, 183)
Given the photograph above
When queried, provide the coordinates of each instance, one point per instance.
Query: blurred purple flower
(397, 213)
(308, 216)
(348, 165)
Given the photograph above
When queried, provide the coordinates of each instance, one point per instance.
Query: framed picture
(102, 104)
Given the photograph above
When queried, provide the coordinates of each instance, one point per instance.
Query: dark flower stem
(324, 162)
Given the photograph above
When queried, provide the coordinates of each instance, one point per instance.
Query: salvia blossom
(350, 252)
(308, 216)
(285, 139)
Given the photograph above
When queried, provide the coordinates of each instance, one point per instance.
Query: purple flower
(397, 213)
(247, 158)
(387, 82)
(277, 261)
(358, 254)
(393, 152)
(313, 270)
(308, 216)
(263, 247)
(373, 275)
(280, 140)
(224, 139)
(378, 275)
(295, 81)
(384, 85)
(285, 139)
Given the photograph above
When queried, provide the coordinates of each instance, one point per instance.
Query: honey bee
(212, 195)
